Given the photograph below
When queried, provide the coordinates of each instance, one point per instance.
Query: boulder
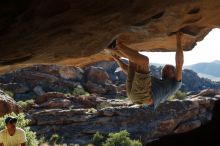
(71, 73)
(38, 90)
(142, 123)
(188, 126)
(7, 104)
(94, 88)
(96, 75)
(50, 95)
(109, 67)
(111, 89)
(55, 103)
(15, 88)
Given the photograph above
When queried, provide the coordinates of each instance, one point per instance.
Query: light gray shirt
(162, 89)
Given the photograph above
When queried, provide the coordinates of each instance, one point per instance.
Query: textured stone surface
(70, 72)
(101, 79)
(46, 97)
(142, 123)
(16, 88)
(80, 116)
(76, 32)
(96, 75)
(7, 104)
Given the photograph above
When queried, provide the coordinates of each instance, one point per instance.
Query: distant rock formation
(193, 83)
(210, 70)
(101, 79)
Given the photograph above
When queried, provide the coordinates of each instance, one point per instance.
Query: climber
(142, 88)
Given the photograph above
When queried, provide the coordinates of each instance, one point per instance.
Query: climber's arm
(123, 66)
(179, 57)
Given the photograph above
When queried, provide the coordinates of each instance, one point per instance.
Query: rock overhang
(76, 32)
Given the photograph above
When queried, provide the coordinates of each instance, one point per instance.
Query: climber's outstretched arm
(179, 57)
(123, 66)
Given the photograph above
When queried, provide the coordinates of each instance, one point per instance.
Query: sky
(207, 50)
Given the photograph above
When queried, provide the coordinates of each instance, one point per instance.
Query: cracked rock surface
(76, 32)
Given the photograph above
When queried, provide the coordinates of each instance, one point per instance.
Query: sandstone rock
(192, 82)
(73, 73)
(187, 126)
(111, 89)
(7, 104)
(67, 84)
(94, 88)
(50, 95)
(15, 88)
(109, 67)
(207, 92)
(86, 101)
(23, 81)
(27, 81)
(96, 75)
(171, 117)
(59, 116)
(51, 69)
(56, 103)
(121, 87)
(38, 90)
(57, 39)
(205, 102)
(32, 77)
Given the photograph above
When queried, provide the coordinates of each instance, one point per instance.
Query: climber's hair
(168, 71)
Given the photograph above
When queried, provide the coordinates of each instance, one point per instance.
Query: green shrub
(178, 95)
(97, 139)
(121, 97)
(120, 139)
(9, 93)
(22, 123)
(115, 139)
(80, 91)
(54, 138)
(103, 105)
(25, 104)
(91, 111)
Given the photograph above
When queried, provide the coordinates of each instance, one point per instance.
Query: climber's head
(168, 72)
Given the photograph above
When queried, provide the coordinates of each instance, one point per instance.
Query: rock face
(100, 79)
(77, 117)
(37, 80)
(76, 32)
(192, 82)
(91, 114)
(7, 104)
